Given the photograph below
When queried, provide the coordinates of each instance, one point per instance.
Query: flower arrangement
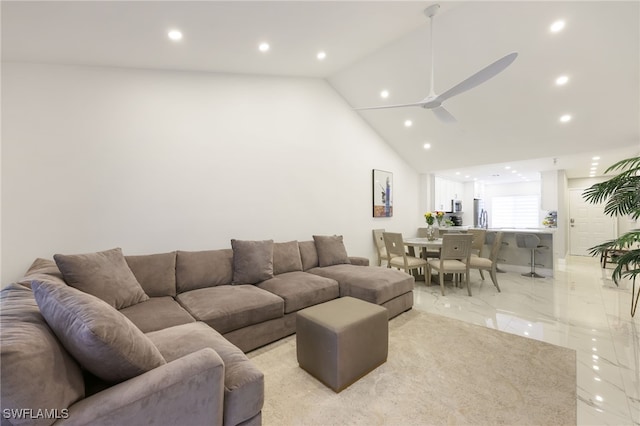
(431, 217)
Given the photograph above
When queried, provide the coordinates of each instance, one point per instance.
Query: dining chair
(380, 247)
(454, 258)
(398, 257)
(477, 243)
(488, 264)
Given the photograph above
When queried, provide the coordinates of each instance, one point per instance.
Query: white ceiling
(511, 120)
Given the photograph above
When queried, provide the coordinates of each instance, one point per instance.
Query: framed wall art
(382, 193)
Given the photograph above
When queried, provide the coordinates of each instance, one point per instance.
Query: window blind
(518, 211)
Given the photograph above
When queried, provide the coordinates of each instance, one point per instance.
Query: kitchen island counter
(511, 257)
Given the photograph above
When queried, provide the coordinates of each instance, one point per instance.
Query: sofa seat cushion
(157, 313)
(37, 372)
(300, 289)
(99, 337)
(230, 307)
(243, 382)
(370, 283)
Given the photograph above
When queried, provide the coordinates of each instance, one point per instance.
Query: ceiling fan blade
(480, 77)
(391, 106)
(444, 115)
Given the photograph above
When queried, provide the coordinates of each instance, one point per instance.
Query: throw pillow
(286, 257)
(252, 261)
(99, 337)
(105, 275)
(331, 250)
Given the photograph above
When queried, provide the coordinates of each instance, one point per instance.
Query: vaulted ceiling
(511, 120)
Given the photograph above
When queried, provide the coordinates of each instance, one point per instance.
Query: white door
(588, 225)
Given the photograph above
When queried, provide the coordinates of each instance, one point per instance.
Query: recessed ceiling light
(507, 167)
(426, 146)
(595, 158)
(457, 173)
(593, 169)
(557, 26)
(408, 123)
(384, 94)
(321, 55)
(565, 118)
(175, 35)
(594, 164)
(514, 171)
(264, 47)
(562, 80)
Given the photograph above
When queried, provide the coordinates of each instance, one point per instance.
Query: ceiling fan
(434, 101)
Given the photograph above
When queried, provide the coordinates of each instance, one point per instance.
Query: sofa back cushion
(308, 254)
(37, 372)
(286, 257)
(98, 336)
(41, 268)
(156, 273)
(200, 269)
(104, 274)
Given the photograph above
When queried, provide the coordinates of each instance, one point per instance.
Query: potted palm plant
(622, 196)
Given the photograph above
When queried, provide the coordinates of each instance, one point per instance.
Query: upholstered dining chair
(454, 258)
(380, 247)
(398, 257)
(488, 264)
(477, 243)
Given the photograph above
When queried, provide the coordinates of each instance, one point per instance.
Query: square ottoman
(340, 341)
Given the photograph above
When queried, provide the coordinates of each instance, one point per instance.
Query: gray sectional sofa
(104, 338)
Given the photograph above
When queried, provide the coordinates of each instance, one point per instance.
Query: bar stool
(531, 242)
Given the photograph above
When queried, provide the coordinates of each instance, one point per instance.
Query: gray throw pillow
(286, 257)
(99, 337)
(331, 250)
(105, 275)
(252, 261)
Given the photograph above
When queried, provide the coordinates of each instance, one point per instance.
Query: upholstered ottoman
(340, 341)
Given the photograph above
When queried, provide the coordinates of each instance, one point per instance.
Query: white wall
(154, 161)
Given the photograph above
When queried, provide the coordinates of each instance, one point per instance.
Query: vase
(431, 233)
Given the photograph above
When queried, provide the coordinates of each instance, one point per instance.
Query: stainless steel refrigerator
(480, 215)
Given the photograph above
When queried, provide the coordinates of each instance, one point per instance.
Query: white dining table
(422, 243)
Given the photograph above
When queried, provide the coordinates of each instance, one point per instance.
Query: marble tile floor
(579, 308)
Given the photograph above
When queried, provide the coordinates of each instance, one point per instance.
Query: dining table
(422, 243)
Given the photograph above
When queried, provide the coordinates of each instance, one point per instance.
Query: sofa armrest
(187, 391)
(360, 261)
